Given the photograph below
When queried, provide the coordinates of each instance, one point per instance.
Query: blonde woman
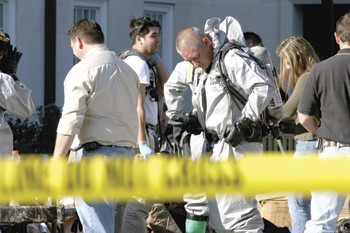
(297, 56)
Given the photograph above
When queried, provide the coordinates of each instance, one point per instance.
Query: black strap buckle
(89, 146)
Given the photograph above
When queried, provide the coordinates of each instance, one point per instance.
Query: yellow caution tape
(168, 178)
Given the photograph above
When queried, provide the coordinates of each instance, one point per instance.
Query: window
(91, 9)
(7, 16)
(84, 13)
(163, 13)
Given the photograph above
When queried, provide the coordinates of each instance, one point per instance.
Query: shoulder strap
(229, 88)
(134, 52)
(158, 87)
(231, 45)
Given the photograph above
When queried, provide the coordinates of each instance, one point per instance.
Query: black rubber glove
(192, 125)
(211, 136)
(235, 135)
(10, 62)
(275, 132)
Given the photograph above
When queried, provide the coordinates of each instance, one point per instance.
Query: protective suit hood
(228, 30)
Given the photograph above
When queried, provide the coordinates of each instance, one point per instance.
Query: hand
(192, 125)
(238, 132)
(211, 136)
(10, 62)
(275, 132)
(234, 136)
(145, 150)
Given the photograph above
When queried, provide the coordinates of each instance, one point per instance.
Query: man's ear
(249, 42)
(337, 38)
(207, 42)
(139, 40)
(80, 43)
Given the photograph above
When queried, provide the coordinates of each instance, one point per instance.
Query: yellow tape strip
(168, 178)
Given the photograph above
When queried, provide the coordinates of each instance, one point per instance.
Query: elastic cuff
(14, 76)
(194, 217)
(144, 142)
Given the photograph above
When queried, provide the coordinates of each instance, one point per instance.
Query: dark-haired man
(99, 112)
(327, 92)
(252, 39)
(142, 57)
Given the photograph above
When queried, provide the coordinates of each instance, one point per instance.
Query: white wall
(29, 38)
(263, 17)
(273, 20)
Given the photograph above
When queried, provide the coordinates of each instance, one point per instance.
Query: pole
(50, 53)
(327, 6)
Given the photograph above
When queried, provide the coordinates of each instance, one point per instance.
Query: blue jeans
(98, 217)
(299, 207)
(326, 206)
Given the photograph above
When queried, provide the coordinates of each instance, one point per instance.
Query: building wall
(26, 30)
(273, 20)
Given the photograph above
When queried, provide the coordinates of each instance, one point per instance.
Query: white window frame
(167, 42)
(3, 16)
(9, 19)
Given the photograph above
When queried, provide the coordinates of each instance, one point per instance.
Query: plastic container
(16, 156)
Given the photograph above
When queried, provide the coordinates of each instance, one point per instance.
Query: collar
(342, 51)
(98, 47)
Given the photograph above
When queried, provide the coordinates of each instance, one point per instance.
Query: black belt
(89, 146)
(152, 127)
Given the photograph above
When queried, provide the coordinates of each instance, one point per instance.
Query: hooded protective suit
(217, 111)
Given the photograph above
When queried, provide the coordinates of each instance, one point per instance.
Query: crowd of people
(123, 105)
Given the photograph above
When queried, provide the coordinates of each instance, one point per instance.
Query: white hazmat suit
(217, 112)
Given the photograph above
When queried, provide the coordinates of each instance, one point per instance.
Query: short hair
(140, 27)
(88, 31)
(256, 39)
(343, 28)
(299, 54)
(190, 36)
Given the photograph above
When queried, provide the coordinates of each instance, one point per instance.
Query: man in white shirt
(145, 35)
